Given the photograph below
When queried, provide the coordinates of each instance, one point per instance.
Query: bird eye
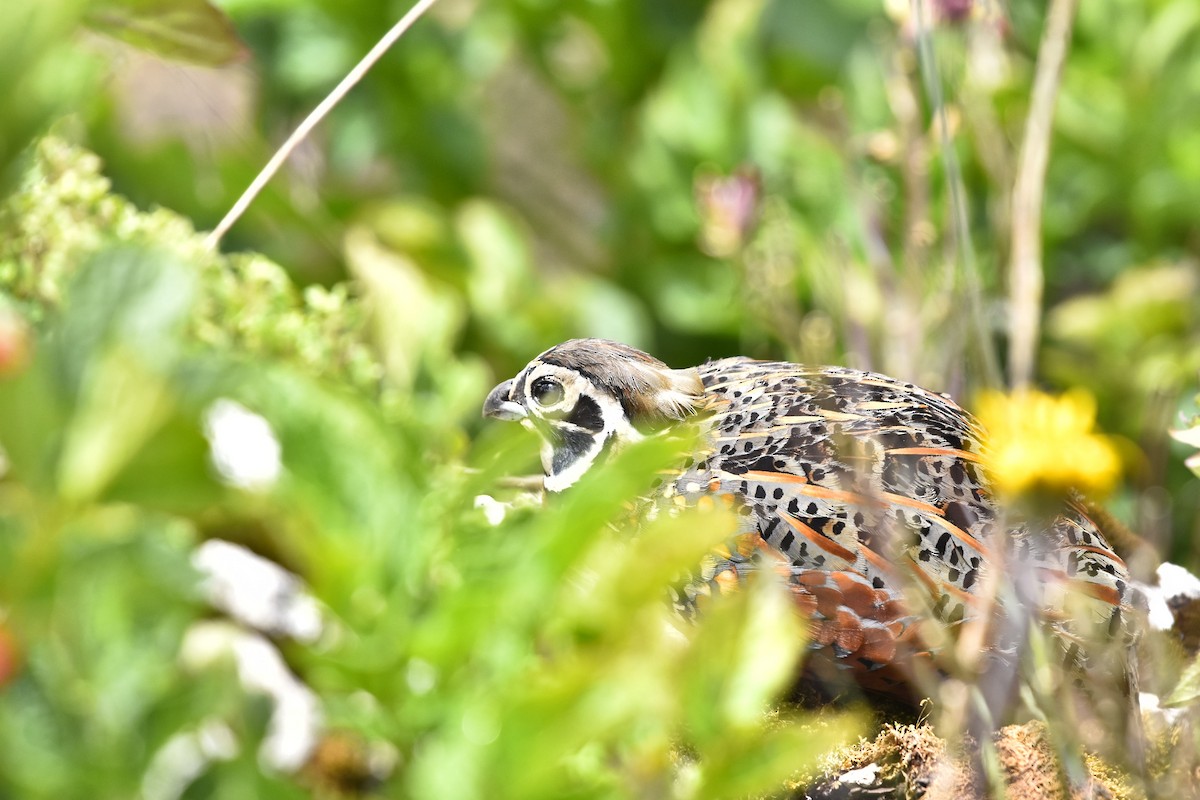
(546, 391)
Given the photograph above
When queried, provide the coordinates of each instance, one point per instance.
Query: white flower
(1174, 584)
(296, 720)
(1177, 582)
(256, 592)
(493, 510)
(245, 452)
(185, 757)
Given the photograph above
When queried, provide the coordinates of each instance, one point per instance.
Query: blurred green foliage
(710, 178)
(532, 660)
(63, 213)
(695, 178)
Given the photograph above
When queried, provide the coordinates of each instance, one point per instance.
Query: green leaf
(44, 73)
(1191, 437)
(1193, 463)
(112, 350)
(184, 30)
(32, 418)
(747, 648)
(741, 767)
(122, 404)
(98, 386)
(171, 472)
(353, 495)
(412, 316)
(100, 608)
(602, 495)
(135, 297)
(623, 574)
(1187, 691)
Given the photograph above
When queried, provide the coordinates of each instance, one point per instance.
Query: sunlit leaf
(120, 405)
(185, 30)
(412, 316)
(634, 569)
(786, 750)
(123, 314)
(136, 297)
(43, 72)
(32, 417)
(1187, 690)
(748, 647)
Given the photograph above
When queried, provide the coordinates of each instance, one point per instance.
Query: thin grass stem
(960, 230)
(313, 119)
(1026, 279)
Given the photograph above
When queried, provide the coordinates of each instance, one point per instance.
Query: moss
(913, 761)
(1116, 781)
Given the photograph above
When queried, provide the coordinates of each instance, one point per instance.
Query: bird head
(586, 398)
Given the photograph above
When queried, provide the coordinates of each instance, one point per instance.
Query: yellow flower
(1040, 443)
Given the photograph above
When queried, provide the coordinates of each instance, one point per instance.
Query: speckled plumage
(860, 488)
(869, 494)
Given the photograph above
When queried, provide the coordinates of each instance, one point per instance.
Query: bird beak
(499, 406)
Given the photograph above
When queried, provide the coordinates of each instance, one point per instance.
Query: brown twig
(1025, 271)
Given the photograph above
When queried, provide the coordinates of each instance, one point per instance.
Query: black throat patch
(587, 415)
(570, 446)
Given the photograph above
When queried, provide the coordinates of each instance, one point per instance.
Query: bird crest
(652, 394)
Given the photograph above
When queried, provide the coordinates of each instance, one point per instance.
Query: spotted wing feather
(869, 495)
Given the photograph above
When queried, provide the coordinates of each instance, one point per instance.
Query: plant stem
(1026, 279)
(313, 119)
(963, 249)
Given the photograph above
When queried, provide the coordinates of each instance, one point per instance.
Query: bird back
(870, 496)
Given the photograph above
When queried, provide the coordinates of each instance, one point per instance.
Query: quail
(869, 494)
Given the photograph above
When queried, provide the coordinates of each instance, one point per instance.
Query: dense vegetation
(828, 182)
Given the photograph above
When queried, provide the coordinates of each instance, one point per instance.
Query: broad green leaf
(748, 647)
(121, 404)
(604, 495)
(499, 256)
(112, 348)
(171, 472)
(1191, 437)
(742, 766)
(1187, 691)
(770, 639)
(413, 317)
(134, 297)
(99, 606)
(32, 417)
(353, 495)
(184, 30)
(44, 73)
(621, 573)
